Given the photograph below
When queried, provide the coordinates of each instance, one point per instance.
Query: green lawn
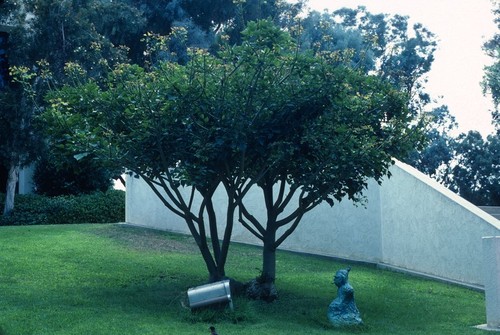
(112, 279)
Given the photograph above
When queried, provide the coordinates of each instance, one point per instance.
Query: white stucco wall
(343, 231)
(429, 229)
(410, 222)
(25, 182)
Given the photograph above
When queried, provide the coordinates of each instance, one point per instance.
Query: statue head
(340, 277)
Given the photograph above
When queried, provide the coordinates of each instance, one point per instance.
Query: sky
(461, 26)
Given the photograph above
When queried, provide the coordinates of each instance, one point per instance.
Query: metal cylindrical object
(208, 294)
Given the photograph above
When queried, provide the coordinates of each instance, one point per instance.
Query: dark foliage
(476, 175)
(70, 177)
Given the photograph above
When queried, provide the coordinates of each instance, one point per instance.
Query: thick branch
(281, 192)
(228, 231)
(259, 231)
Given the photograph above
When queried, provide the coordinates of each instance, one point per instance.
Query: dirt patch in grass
(139, 238)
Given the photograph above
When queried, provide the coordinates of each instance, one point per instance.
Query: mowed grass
(115, 279)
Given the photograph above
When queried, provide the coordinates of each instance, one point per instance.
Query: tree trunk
(10, 191)
(269, 263)
(263, 287)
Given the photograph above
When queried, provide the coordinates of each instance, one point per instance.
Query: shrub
(99, 207)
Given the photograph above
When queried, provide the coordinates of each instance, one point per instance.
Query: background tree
(476, 172)
(467, 163)
(436, 156)
(4, 65)
(382, 43)
(491, 79)
(403, 55)
(18, 143)
(280, 12)
(44, 35)
(321, 32)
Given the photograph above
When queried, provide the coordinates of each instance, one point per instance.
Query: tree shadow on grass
(146, 239)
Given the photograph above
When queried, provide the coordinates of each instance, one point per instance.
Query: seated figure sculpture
(343, 311)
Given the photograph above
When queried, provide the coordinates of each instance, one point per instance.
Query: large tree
(301, 127)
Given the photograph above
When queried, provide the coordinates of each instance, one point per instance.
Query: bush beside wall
(31, 209)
